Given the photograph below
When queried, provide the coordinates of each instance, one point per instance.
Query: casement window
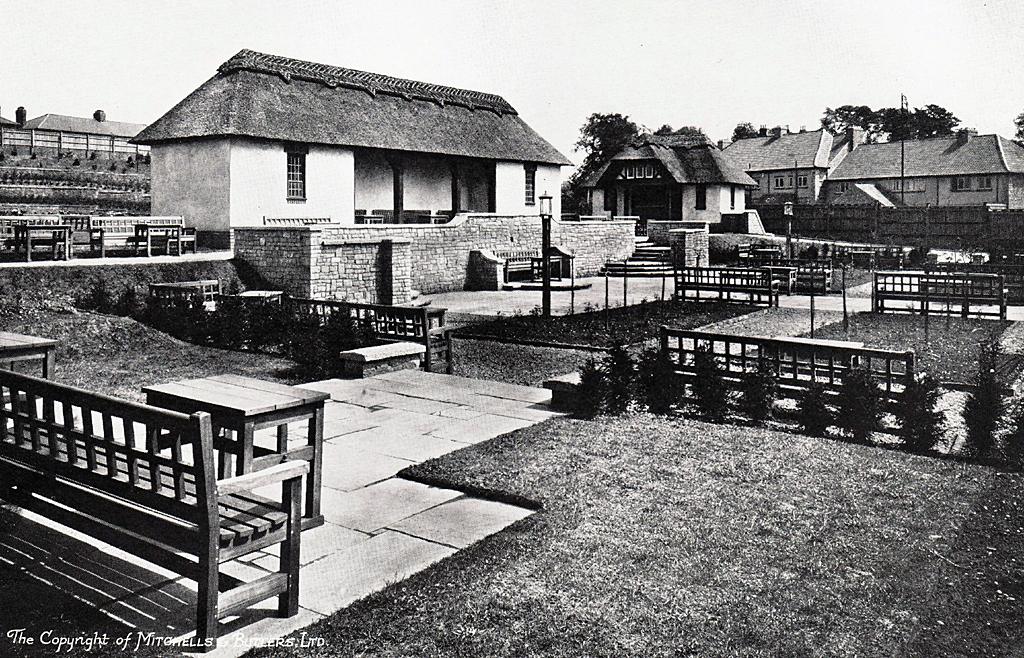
(296, 173)
(961, 183)
(780, 182)
(907, 185)
(801, 180)
(531, 184)
(984, 182)
(844, 187)
(632, 171)
(702, 197)
(896, 185)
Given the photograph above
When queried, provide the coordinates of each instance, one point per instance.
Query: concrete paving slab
(461, 522)
(420, 405)
(316, 543)
(347, 467)
(339, 579)
(374, 507)
(480, 429)
(399, 444)
(347, 426)
(535, 413)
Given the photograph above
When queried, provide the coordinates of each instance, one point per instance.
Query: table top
(236, 394)
(10, 341)
(820, 341)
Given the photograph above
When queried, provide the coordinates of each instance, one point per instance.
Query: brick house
(270, 136)
(669, 177)
(965, 169)
(61, 132)
(778, 159)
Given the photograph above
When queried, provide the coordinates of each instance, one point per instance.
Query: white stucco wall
(510, 188)
(717, 203)
(191, 179)
(259, 183)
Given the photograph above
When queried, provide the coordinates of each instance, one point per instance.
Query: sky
(710, 64)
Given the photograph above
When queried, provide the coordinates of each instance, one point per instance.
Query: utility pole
(903, 151)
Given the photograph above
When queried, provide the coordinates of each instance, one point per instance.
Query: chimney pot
(777, 132)
(99, 115)
(803, 129)
(763, 131)
(721, 144)
(20, 117)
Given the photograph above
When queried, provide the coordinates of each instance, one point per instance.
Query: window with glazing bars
(296, 175)
(531, 184)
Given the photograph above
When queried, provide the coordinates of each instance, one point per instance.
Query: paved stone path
(379, 528)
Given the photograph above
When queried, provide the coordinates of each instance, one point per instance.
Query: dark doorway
(652, 202)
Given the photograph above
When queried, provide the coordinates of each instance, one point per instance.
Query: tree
(743, 131)
(1019, 123)
(664, 130)
(894, 123)
(691, 131)
(601, 137)
(849, 116)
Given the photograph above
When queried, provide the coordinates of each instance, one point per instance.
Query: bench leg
(206, 608)
(291, 496)
(315, 439)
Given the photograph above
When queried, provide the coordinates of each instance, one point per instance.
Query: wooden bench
(142, 479)
(517, 261)
(423, 325)
(55, 239)
(560, 260)
(785, 275)
(140, 235)
(1013, 275)
(966, 294)
(180, 293)
(295, 221)
(9, 222)
(811, 275)
(755, 285)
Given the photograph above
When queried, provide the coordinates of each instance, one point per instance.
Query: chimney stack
(851, 138)
(964, 135)
(99, 115)
(721, 144)
(803, 129)
(777, 132)
(20, 117)
(763, 132)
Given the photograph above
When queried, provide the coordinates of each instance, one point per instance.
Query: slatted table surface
(244, 405)
(19, 347)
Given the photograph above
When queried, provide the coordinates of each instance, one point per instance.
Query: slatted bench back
(113, 226)
(424, 325)
(970, 293)
(1013, 274)
(796, 362)
(148, 456)
(520, 255)
(713, 278)
(181, 291)
(24, 220)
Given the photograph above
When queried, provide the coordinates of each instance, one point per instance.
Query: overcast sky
(710, 64)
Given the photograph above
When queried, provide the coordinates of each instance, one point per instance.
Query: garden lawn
(950, 353)
(673, 537)
(118, 356)
(526, 365)
(621, 325)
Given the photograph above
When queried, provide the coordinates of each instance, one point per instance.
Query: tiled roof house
(965, 169)
(777, 159)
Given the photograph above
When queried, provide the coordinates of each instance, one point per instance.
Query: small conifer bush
(621, 373)
(710, 392)
(921, 423)
(813, 412)
(659, 387)
(860, 405)
(758, 392)
(592, 393)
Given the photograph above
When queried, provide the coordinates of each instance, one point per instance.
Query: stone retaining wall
(354, 263)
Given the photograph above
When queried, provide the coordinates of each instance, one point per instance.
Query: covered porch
(399, 187)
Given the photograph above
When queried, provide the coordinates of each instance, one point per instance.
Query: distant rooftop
(69, 124)
(937, 156)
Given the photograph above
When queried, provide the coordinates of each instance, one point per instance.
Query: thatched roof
(272, 97)
(84, 125)
(686, 159)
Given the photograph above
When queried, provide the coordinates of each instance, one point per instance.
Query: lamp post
(545, 253)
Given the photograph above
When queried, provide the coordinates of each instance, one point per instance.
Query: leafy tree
(837, 120)
(743, 131)
(758, 391)
(664, 130)
(1019, 124)
(691, 131)
(659, 386)
(985, 404)
(894, 123)
(710, 391)
(621, 372)
(933, 121)
(920, 422)
(601, 137)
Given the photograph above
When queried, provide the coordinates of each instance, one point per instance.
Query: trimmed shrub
(128, 303)
(1013, 442)
(813, 412)
(592, 394)
(710, 392)
(859, 405)
(758, 391)
(921, 424)
(658, 385)
(621, 373)
(985, 404)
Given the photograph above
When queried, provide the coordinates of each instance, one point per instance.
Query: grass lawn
(118, 356)
(664, 537)
(950, 353)
(629, 324)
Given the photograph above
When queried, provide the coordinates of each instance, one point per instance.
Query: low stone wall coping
(342, 243)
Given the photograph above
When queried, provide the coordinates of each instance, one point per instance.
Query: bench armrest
(276, 473)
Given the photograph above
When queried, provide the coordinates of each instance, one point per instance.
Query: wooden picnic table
(55, 236)
(244, 405)
(19, 347)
